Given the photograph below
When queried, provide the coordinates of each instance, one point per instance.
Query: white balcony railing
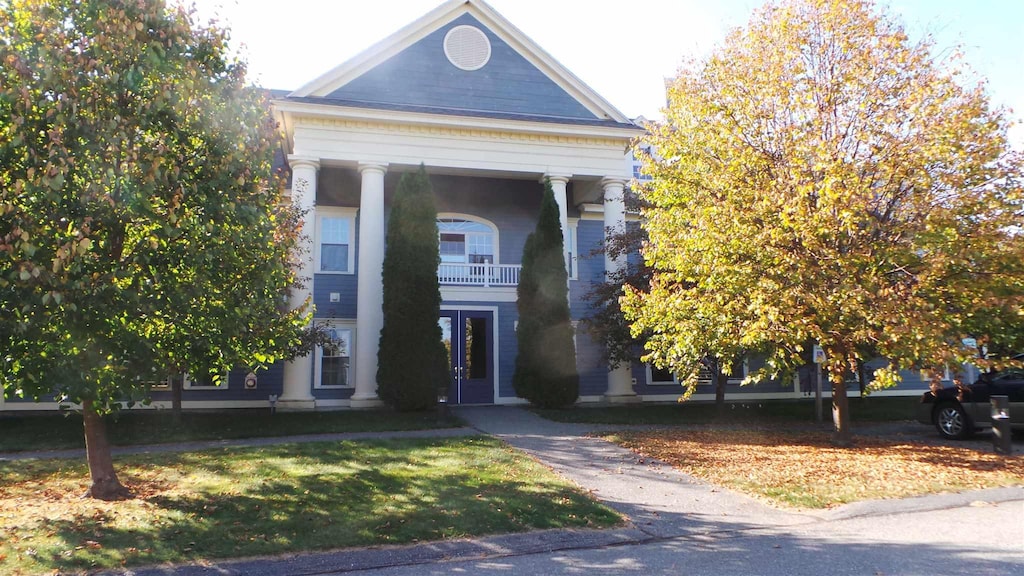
(485, 275)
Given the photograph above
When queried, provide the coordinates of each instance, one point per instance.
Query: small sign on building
(819, 355)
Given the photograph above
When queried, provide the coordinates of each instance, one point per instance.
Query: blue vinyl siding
(267, 382)
(421, 75)
(912, 381)
(332, 393)
(344, 285)
(591, 364)
(589, 267)
(591, 359)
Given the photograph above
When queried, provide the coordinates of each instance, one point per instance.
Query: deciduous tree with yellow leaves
(822, 178)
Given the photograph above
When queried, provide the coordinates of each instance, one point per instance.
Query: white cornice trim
(306, 109)
(435, 19)
(478, 294)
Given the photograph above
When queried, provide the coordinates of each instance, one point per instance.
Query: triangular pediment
(463, 57)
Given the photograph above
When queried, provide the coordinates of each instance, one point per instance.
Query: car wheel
(951, 421)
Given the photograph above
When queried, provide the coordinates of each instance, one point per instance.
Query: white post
(558, 185)
(298, 373)
(370, 296)
(620, 380)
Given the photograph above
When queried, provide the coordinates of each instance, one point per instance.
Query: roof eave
(285, 107)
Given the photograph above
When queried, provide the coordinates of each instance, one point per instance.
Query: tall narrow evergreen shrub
(412, 363)
(546, 364)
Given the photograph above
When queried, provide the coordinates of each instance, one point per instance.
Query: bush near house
(413, 364)
(546, 364)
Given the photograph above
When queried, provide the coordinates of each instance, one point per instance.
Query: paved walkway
(662, 503)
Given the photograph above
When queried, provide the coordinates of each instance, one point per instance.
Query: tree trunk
(176, 385)
(720, 382)
(105, 485)
(843, 435)
(862, 377)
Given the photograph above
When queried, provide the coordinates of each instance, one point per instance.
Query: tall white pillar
(558, 185)
(370, 297)
(620, 380)
(298, 373)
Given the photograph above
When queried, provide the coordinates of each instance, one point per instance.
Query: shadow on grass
(882, 409)
(691, 544)
(321, 496)
(23, 432)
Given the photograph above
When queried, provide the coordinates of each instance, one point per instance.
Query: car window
(1009, 374)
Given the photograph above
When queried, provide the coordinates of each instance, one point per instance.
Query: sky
(623, 50)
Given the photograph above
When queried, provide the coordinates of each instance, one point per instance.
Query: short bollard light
(442, 405)
(1001, 434)
(273, 403)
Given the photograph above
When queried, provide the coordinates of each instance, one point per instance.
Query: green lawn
(56, 431)
(880, 409)
(288, 498)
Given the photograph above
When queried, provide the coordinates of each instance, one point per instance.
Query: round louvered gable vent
(467, 47)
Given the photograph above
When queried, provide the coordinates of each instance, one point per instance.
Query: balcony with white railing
(485, 275)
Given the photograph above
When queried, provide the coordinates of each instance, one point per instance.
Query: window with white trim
(571, 249)
(335, 231)
(154, 383)
(466, 241)
(663, 376)
(334, 362)
(207, 382)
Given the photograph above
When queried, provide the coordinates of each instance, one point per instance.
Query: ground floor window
(206, 382)
(572, 250)
(664, 376)
(334, 362)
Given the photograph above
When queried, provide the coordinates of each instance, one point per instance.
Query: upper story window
(335, 230)
(466, 241)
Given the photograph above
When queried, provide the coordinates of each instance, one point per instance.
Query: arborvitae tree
(412, 363)
(546, 364)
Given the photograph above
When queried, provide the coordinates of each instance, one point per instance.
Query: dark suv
(957, 413)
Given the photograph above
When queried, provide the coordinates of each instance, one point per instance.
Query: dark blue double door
(469, 337)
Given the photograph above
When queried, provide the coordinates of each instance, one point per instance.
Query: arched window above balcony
(467, 240)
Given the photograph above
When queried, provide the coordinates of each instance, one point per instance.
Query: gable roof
(522, 81)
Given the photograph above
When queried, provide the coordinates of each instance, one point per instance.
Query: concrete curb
(352, 560)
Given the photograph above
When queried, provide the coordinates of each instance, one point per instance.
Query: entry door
(469, 337)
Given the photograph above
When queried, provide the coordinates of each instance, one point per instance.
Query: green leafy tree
(413, 363)
(545, 372)
(141, 226)
(821, 178)
(607, 323)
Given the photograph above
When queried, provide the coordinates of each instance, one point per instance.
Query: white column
(620, 380)
(370, 297)
(558, 185)
(298, 373)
